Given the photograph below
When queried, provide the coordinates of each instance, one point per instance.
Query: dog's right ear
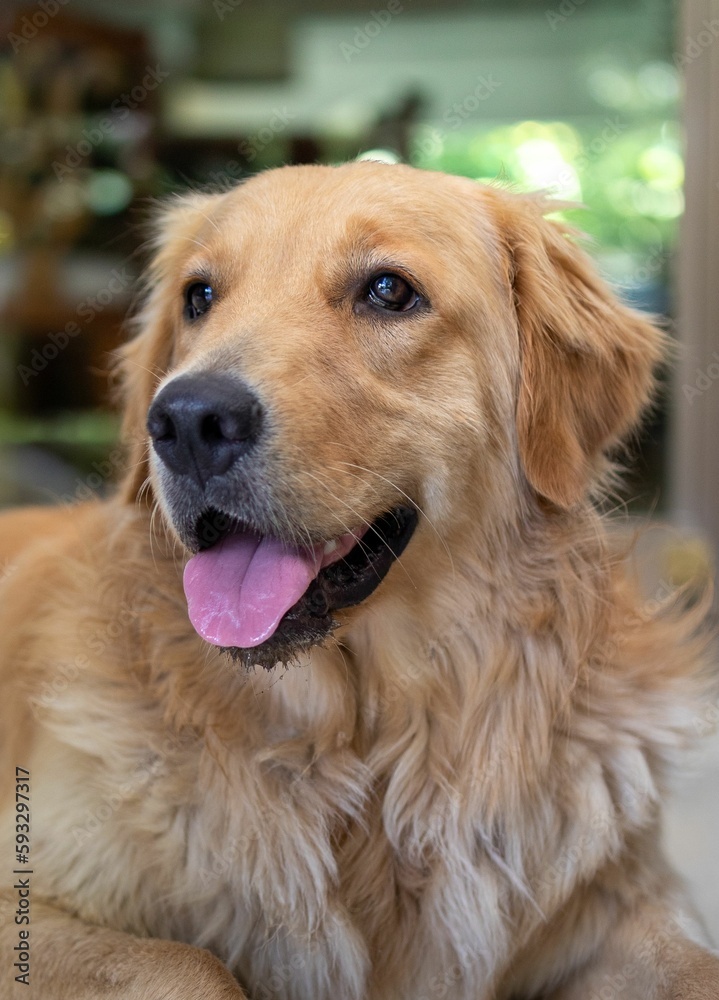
(146, 359)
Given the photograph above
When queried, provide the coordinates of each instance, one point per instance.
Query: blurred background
(105, 106)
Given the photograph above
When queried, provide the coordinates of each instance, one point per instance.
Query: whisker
(191, 239)
(303, 379)
(412, 502)
(341, 650)
(153, 531)
(145, 487)
(211, 221)
(158, 373)
(136, 465)
(344, 504)
(363, 519)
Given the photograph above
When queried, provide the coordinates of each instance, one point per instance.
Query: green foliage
(628, 177)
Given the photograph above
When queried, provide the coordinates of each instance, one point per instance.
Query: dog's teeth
(330, 547)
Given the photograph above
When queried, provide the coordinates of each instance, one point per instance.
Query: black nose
(201, 424)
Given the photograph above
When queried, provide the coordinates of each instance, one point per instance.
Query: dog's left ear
(587, 361)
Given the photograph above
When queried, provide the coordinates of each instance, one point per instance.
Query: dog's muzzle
(258, 596)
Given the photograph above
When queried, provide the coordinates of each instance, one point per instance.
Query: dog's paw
(169, 970)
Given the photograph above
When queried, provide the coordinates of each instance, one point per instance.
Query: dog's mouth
(264, 600)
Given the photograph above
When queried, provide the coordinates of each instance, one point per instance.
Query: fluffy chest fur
(385, 816)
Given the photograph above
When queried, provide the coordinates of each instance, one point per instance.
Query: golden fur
(459, 796)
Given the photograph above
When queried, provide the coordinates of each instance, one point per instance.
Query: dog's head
(332, 357)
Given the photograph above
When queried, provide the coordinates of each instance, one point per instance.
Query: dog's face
(333, 358)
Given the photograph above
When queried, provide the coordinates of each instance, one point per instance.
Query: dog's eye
(198, 299)
(389, 291)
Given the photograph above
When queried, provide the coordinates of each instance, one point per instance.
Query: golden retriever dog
(345, 694)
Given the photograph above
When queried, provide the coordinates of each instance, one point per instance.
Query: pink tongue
(238, 590)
